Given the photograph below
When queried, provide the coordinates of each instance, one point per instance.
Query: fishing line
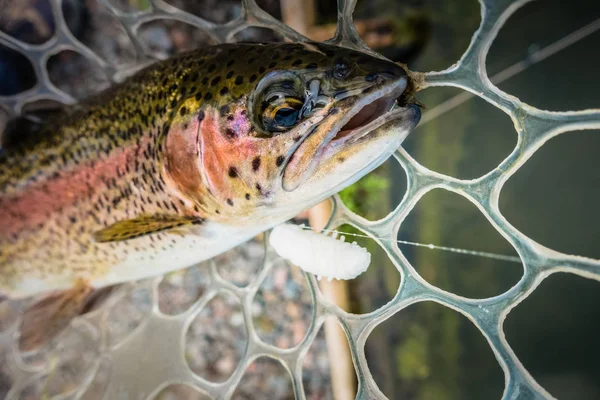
(484, 254)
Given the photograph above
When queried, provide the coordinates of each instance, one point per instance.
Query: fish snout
(383, 71)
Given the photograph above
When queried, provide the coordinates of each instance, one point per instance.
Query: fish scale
(182, 161)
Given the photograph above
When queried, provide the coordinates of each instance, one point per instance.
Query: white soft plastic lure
(320, 254)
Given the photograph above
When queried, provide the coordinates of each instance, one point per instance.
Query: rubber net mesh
(145, 350)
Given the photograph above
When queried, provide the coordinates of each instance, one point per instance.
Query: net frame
(534, 127)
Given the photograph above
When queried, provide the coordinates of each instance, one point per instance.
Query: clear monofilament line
(485, 254)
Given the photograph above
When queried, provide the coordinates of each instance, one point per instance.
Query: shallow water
(552, 199)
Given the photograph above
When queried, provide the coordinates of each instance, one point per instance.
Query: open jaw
(350, 120)
(365, 115)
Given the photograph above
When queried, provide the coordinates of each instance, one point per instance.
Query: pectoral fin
(143, 225)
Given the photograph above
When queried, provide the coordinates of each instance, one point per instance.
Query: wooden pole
(298, 14)
(343, 377)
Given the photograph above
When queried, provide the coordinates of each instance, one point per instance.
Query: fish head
(287, 125)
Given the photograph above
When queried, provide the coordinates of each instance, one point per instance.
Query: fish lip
(393, 89)
(363, 131)
(321, 139)
(390, 91)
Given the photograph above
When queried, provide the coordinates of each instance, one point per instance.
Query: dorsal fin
(27, 129)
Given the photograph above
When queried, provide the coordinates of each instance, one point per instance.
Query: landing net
(147, 348)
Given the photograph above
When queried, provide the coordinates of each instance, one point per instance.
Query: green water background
(428, 351)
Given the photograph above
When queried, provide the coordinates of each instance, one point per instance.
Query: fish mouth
(359, 118)
(376, 101)
(365, 115)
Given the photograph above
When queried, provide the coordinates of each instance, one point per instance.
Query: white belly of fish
(138, 258)
(184, 251)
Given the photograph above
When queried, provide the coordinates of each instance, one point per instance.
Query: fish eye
(279, 105)
(282, 114)
(285, 117)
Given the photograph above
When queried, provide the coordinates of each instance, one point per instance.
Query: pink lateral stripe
(42, 199)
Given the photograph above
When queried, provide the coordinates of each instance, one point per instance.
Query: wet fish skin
(182, 150)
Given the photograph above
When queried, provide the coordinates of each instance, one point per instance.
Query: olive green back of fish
(145, 103)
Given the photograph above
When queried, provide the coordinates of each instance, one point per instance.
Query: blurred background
(425, 351)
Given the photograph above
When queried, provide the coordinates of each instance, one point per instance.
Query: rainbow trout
(188, 158)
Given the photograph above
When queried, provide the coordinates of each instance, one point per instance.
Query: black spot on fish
(233, 172)
(183, 111)
(212, 67)
(230, 202)
(272, 65)
(201, 115)
(239, 80)
(256, 164)
(229, 74)
(224, 90)
(297, 62)
(208, 96)
(215, 81)
(194, 77)
(252, 78)
(217, 211)
(261, 69)
(224, 110)
(198, 96)
(279, 160)
(311, 66)
(230, 63)
(287, 58)
(230, 133)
